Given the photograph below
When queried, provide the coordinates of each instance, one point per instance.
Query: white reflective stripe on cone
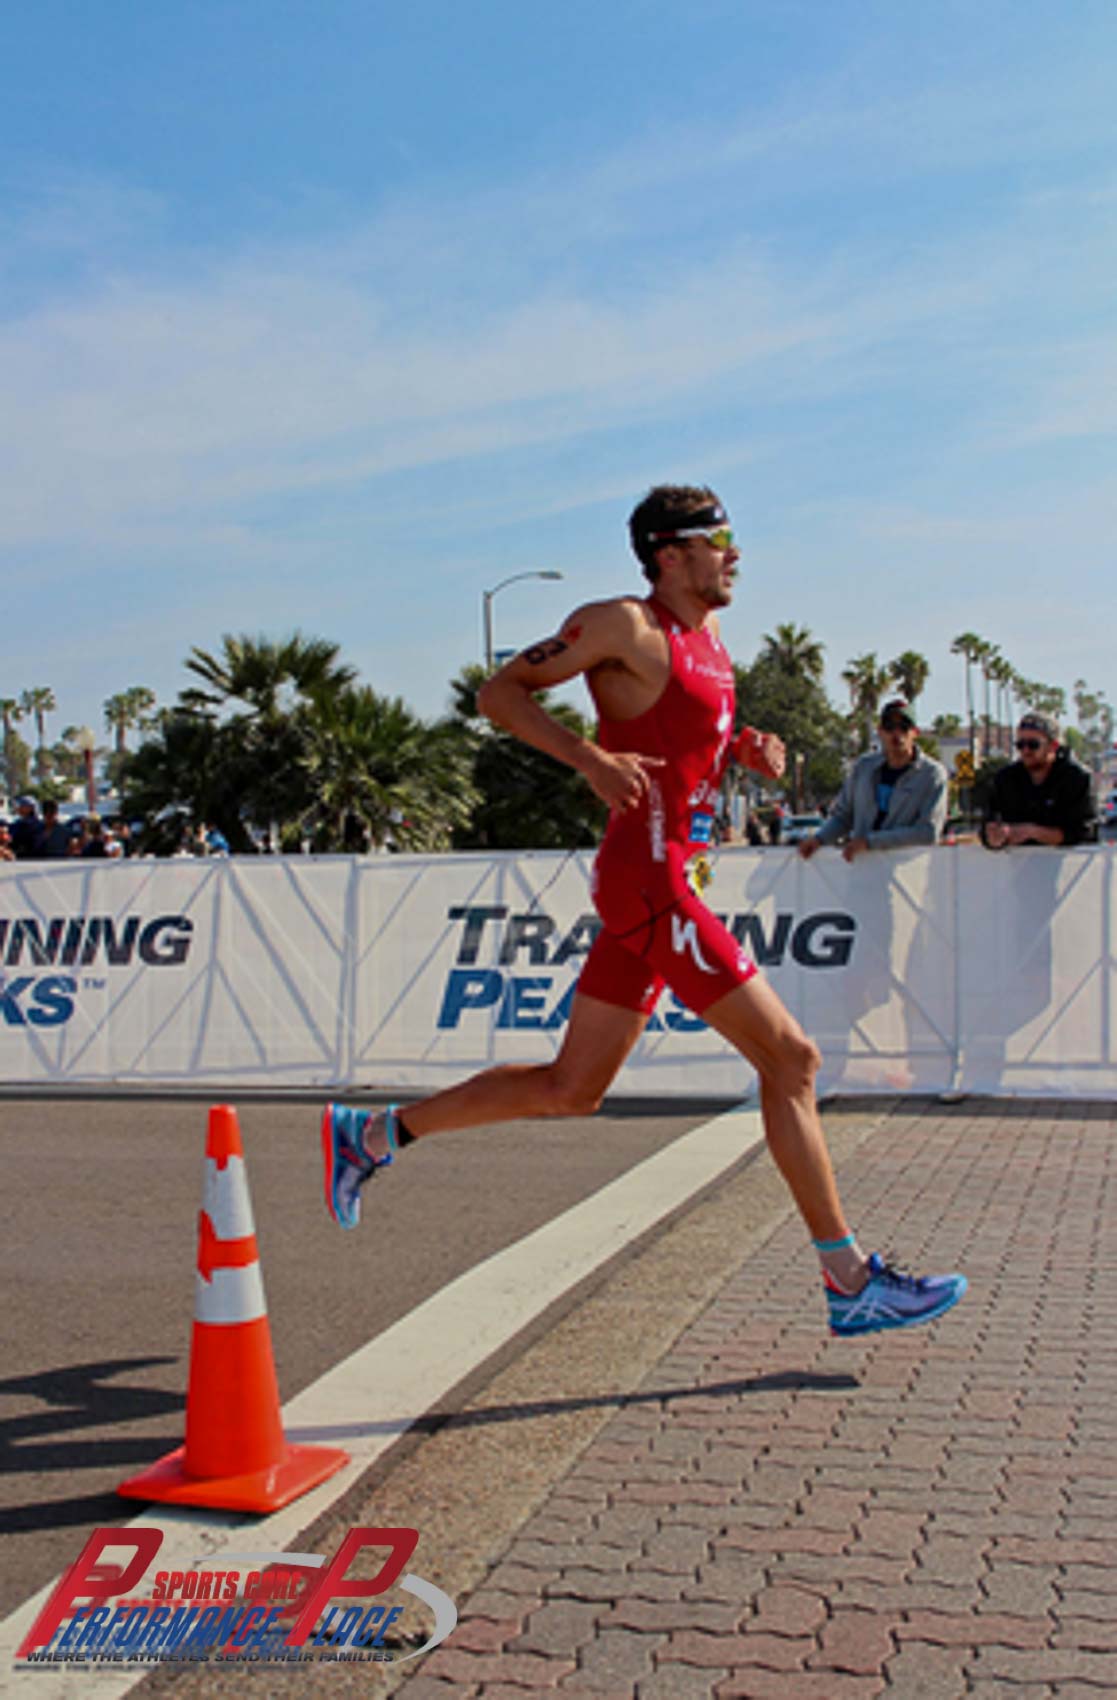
(231, 1295)
(225, 1198)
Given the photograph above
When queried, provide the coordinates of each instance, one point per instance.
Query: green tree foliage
(378, 775)
(13, 778)
(526, 800)
(909, 672)
(782, 692)
(1095, 723)
(968, 646)
(867, 681)
(277, 736)
(189, 769)
(38, 702)
(947, 725)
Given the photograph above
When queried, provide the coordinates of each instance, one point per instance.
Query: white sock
(844, 1262)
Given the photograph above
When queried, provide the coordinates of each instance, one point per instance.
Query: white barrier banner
(928, 970)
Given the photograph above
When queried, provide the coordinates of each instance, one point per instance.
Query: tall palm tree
(1000, 672)
(39, 702)
(867, 680)
(10, 712)
(126, 709)
(968, 645)
(910, 670)
(986, 652)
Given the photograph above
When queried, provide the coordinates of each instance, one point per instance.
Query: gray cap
(1034, 721)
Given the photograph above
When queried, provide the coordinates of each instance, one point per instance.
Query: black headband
(711, 515)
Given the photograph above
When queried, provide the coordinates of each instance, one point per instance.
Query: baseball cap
(26, 803)
(1035, 721)
(897, 709)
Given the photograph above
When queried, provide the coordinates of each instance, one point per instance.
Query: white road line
(372, 1397)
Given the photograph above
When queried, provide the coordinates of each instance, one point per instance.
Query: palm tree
(867, 681)
(946, 725)
(1001, 672)
(10, 712)
(378, 775)
(795, 652)
(968, 645)
(268, 677)
(127, 708)
(39, 702)
(910, 670)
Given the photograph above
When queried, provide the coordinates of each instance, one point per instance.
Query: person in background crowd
(26, 830)
(7, 854)
(1044, 797)
(216, 842)
(55, 839)
(95, 844)
(889, 803)
(198, 843)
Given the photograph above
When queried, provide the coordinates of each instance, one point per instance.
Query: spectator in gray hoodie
(892, 798)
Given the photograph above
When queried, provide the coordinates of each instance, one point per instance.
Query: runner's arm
(598, 633)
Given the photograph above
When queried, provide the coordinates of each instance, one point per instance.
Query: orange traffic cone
(235, 1457)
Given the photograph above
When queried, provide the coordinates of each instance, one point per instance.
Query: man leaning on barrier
(892, 798)
(1044, 797)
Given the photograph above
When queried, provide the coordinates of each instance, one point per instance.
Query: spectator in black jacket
(26, 830)
(1046, 797)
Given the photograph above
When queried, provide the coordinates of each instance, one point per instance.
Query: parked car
(798, 827)
(1108, 816)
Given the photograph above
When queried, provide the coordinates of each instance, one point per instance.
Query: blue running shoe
(347, 1163)
(890, 1299)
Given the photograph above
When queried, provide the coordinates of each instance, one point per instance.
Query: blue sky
(331, 315)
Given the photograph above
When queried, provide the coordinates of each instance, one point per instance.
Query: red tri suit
(656, 931)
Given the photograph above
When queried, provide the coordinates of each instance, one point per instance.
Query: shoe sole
(329, 1162)
(883, 1327)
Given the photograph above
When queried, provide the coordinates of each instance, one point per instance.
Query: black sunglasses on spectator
(1029, 743)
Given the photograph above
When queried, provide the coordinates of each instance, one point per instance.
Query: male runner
(663, 688)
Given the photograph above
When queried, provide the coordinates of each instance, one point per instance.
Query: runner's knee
(794, 1065)
(565, 1097)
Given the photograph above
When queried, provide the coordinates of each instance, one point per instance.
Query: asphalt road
(97, 1252)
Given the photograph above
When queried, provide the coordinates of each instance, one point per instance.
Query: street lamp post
(487, 608)
(86, 741)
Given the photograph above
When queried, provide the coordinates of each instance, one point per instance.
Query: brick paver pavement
(778, 1515)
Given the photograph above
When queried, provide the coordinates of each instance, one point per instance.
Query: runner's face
(710, 572)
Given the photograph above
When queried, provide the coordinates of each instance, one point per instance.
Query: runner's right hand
(621, 781)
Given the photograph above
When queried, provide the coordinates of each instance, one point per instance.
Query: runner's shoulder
(612, 624)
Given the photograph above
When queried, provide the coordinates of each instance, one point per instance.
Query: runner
(662, 685)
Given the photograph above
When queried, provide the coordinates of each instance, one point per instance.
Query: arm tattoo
(541, 652)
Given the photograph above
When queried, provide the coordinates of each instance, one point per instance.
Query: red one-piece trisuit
(656, 930)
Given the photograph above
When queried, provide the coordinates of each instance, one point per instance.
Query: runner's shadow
(781, 1381)
(82, 1396)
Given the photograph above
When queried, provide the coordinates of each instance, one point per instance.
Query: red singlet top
(690, 725)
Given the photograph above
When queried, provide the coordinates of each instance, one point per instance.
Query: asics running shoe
(347, 1165)
(890, 1299)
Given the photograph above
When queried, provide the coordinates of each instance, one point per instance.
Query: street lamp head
(85, 738)
(487, 603)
